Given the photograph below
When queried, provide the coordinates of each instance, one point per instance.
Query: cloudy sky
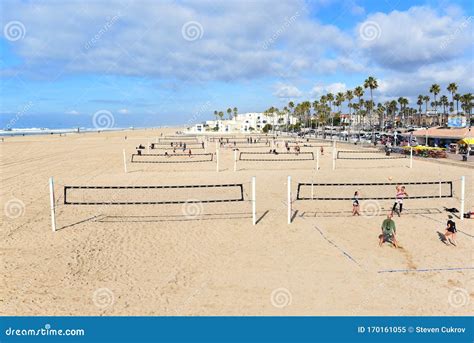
(152, 63)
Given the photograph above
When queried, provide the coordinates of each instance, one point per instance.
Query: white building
(244, 122)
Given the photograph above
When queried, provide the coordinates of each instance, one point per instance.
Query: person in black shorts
(450, 230)
(355, 204)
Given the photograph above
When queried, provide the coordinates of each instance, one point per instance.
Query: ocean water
(46, 131)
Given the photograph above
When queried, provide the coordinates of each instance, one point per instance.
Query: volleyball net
(366, 155)
(305, 144)
(373, 191)
(152, 195)
(176, 145)
(179, 138)
(172, 158)
(191, 197)
(275, 157)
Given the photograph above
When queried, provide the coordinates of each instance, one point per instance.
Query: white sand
(151, 260)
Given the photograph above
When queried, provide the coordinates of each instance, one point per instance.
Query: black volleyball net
(305, 144)
(373, 191)
(153, 195)
(176, 146)
(366, 155)
(275, 157)
(178, 139)
(172, 158)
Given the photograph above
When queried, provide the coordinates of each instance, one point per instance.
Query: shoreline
(47, 132)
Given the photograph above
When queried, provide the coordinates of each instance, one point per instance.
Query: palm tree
(306, 112)
(270, 112)
(393, 110)
(452, 88)
(381, 112)
(216, 114)
(444, 102)
(403, 105)
(435, 89)
(229, 113)
(426, 99)
(466, 105)
(363, 110)
(359, 93)
(323, 117)
(457, 98)
(349, 97)
(371, 83)
(419, 103)
(340, 98)
(330, 98)
(315, 105)
(236, 111)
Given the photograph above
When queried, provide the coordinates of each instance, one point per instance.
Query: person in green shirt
(388, 231)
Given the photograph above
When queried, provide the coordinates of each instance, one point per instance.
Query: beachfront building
(244, 122)
(442, 137)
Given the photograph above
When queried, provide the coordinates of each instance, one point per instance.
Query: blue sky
(150, 63)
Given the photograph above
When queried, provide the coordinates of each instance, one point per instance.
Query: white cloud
(73, 112)
(123, 111)
(414, 83)
(128, 38)
(419, 36)
(333, 88)
(287, 91)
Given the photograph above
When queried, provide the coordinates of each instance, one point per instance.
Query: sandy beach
(159, 260)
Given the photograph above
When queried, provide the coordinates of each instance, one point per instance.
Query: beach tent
(467, 141)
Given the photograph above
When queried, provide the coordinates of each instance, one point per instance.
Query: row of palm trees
(231, 113)
(327, 110)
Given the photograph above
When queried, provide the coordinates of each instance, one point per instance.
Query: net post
(334, 159)
(235, 160)
(317, 159)
(463, 188)
(254, 201)
(411, 157)
(217, 160)
(51, 200)
(289, 199)
(124, 161)
(148, 147)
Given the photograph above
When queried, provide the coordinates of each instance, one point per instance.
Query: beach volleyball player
(400, 195)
